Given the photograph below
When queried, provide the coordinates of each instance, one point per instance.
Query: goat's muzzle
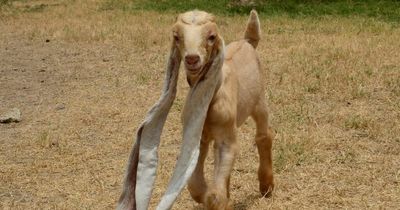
(192, 62)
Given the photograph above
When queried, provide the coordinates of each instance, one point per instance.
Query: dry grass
(333, 92)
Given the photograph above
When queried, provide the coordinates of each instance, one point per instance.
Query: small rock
(14, 115)
(47, 40)
(60, 106)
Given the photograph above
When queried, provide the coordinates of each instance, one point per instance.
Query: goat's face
(196, 37)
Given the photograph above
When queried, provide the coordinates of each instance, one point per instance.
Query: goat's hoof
(266, 189)
(266, 184)
(217, 201)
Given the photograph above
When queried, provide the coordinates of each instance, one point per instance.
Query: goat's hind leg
(264, 146)
(197, 185)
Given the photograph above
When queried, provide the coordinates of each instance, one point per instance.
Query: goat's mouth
(193, 68)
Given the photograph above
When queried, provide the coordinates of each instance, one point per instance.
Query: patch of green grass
(388, 10)
(44, 139)
(5, 5)
(288, 155)
(142, 78)
(36, 8)
(356, 122)
(392, 81)
(346, 156)
(312, 87)
(4, 2)
(179, 104)
(359, 91)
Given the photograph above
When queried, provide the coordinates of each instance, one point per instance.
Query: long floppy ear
(194, 115)
(142, 163)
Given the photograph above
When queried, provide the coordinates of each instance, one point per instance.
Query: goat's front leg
(225, 151)
(197, 184)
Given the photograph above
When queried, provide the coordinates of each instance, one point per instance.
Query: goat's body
(240, 95)
(240, 88)
(244, 69)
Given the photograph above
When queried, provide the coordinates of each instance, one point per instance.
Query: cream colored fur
(226, 88)
(240, 94)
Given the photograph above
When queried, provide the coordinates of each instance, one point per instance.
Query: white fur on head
(196, 36)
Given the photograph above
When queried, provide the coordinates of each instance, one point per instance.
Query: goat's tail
(253, 31)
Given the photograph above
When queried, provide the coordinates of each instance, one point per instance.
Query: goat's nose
(192, 59)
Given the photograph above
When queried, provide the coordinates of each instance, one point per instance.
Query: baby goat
(240, 94)
(226, 88)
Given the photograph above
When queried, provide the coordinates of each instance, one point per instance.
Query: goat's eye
(211, 38)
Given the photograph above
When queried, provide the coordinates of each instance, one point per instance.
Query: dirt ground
(84, 78)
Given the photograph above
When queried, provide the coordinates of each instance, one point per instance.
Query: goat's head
(195, 35)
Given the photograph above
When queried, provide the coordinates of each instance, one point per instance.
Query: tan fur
(240, 95)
